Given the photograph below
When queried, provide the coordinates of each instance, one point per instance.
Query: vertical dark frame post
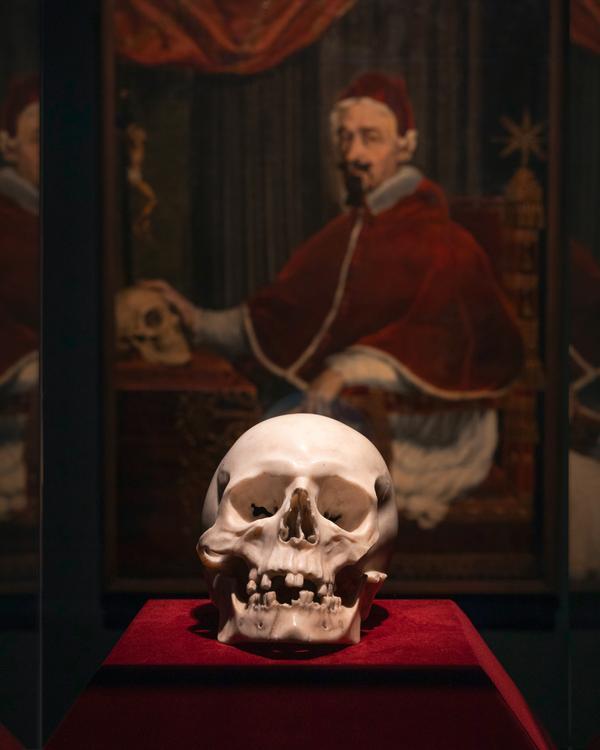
(556, 537)
(557, 334)
(71, 353)
(109, 261)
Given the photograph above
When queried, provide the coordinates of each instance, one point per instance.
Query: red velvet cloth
(421, 678)
(419, 289)
(8, 741)
(221, 36)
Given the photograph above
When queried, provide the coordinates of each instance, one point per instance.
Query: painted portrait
(338, 209)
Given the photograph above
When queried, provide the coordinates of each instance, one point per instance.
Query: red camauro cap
(22, 91)
(387, 89)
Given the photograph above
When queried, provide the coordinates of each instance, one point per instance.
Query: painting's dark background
(75, 638)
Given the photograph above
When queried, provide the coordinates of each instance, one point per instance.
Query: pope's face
(367, 143)
(25, 151)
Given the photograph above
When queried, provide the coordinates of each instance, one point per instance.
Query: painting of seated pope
(390, 294)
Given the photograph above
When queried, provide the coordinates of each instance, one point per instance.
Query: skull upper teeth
(290, 580)
(265, 582)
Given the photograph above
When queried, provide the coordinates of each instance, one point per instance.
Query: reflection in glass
(19, 370)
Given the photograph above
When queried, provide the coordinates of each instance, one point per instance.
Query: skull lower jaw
(291, 623)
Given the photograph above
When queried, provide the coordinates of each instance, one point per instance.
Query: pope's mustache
(354, 166)
(352, 171)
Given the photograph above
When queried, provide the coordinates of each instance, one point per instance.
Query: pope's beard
(355, 176)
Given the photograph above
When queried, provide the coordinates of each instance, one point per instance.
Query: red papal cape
(409, 284)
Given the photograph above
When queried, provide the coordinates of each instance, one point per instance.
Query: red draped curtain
(221, 36)
(585, 24)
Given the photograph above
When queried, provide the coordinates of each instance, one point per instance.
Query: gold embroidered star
(525, 137)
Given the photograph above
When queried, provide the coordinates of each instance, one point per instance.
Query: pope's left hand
(324, 389)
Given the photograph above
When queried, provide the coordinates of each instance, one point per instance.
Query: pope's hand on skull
(186, 309)
(147, 323)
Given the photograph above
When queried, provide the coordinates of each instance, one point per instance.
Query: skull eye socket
(153, 318)
(343, 503)
(259, 497)
(259, 511)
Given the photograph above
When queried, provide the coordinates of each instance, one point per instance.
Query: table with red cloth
(421, 678)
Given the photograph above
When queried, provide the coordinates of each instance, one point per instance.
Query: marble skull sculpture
(146, 323)
(302, 524)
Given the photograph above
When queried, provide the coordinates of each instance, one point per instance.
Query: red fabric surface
(8, 741)
(420, 678)
(182, 632)
(206, 372)
(275, 717)
(220, 36)
(419, 289)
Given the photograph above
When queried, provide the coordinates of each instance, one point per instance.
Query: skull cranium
(302, 523)
(146, 323)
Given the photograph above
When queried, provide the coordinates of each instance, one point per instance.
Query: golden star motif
(525, 137)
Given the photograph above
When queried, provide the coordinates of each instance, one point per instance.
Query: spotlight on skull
(301, 525)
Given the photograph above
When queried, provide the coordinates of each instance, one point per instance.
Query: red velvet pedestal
(420, 679)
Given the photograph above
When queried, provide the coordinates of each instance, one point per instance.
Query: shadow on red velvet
(206, 625)
(206, 621)
(376, 617)
(8, 741)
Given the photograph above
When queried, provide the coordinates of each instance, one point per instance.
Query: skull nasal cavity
(297, 522)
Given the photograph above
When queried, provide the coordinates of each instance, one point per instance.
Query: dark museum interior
(173, 138)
